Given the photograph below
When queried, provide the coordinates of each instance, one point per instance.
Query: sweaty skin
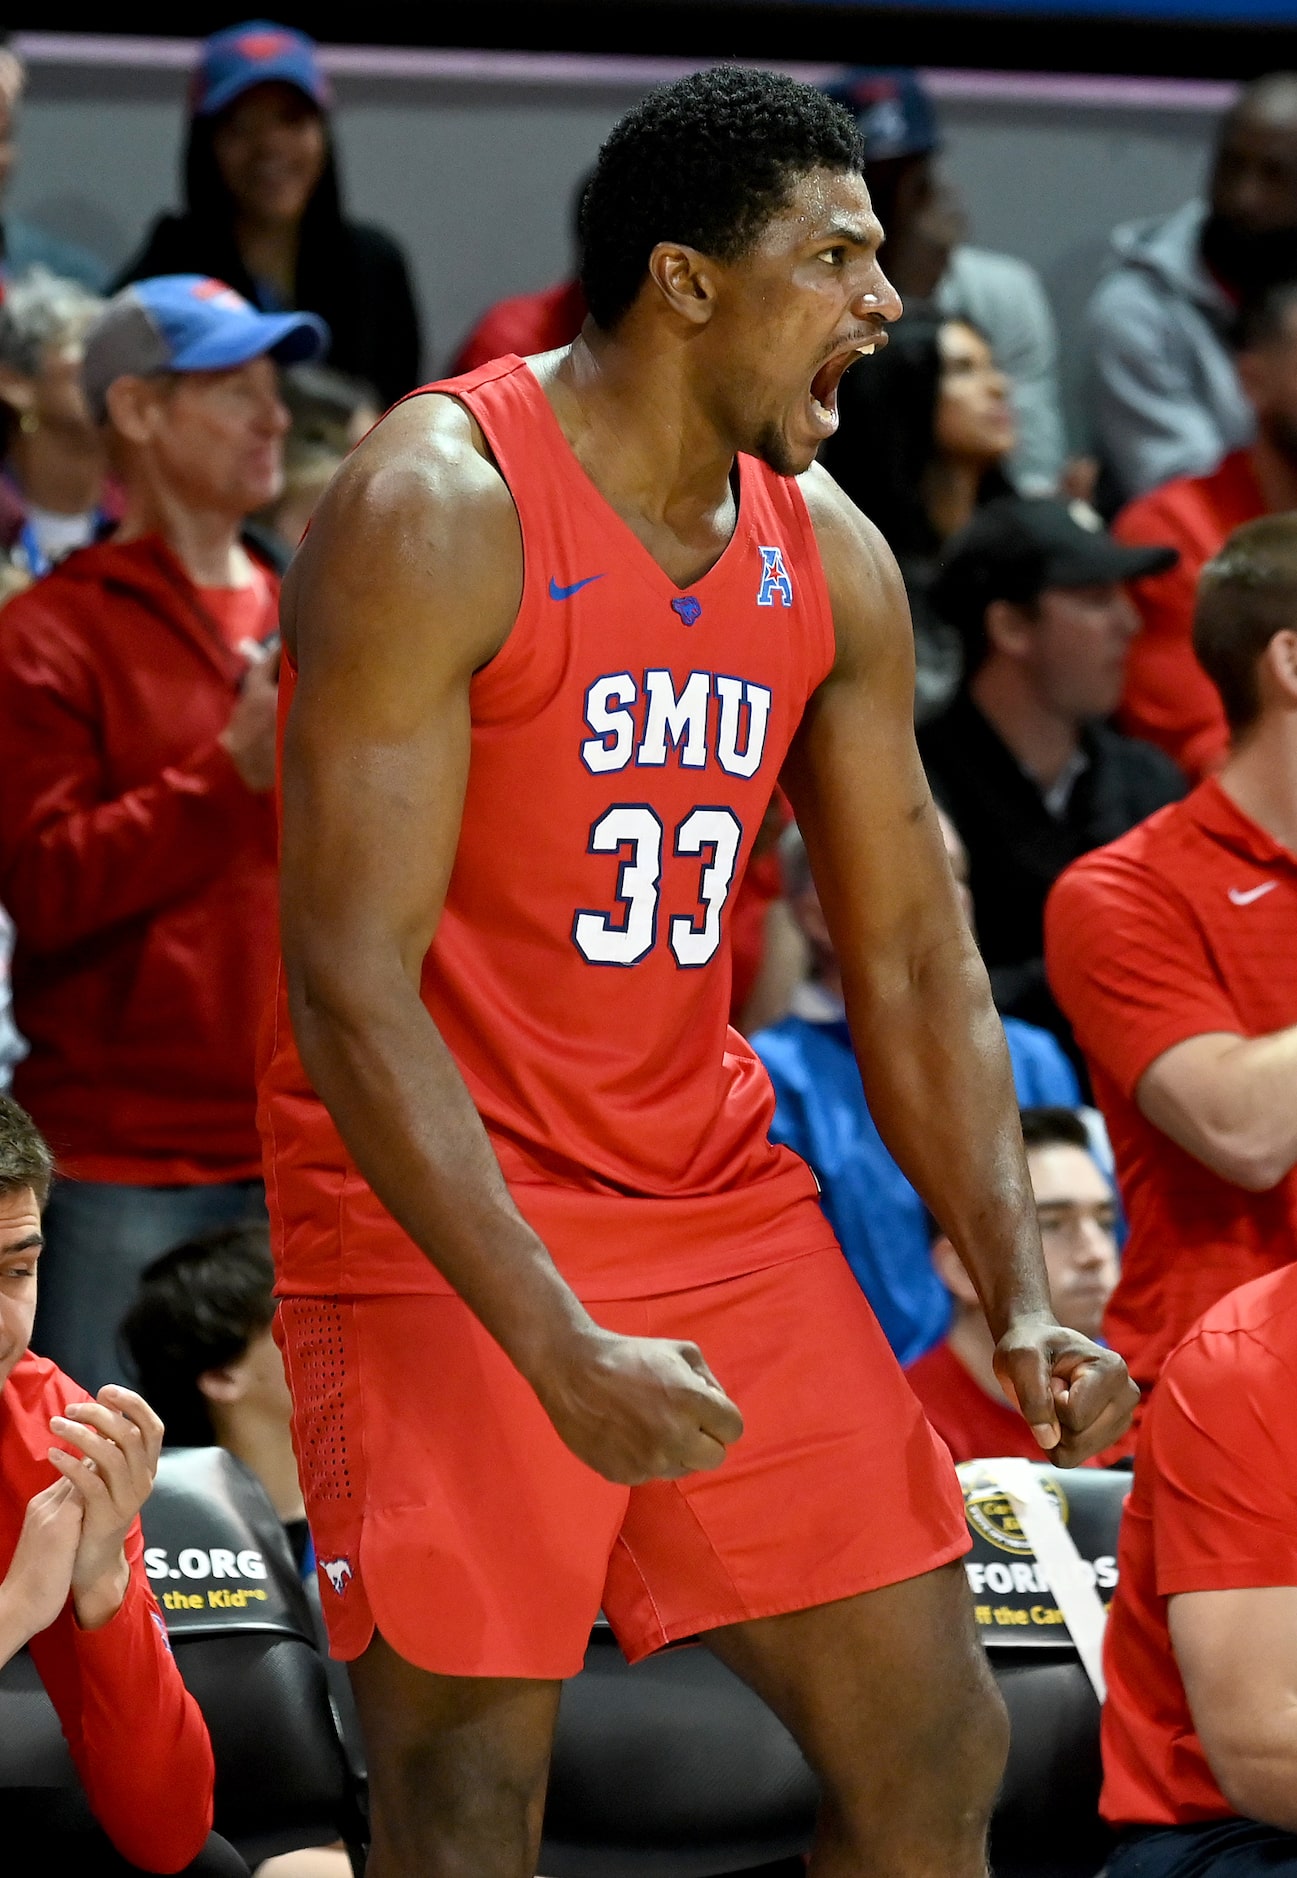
(375, 766)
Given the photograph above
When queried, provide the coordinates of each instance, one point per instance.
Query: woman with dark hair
(264, 213)
(926, 427)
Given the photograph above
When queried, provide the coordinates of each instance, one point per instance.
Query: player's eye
(834, 256)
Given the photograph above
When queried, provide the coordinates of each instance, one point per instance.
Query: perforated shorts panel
(314, 1335)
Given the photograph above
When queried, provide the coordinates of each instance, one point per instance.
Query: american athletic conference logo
(774, 579)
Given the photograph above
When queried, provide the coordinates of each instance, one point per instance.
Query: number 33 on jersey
(673, 725)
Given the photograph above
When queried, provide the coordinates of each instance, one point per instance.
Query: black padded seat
(672, 1769)
(241, 1630)
(675, 1770)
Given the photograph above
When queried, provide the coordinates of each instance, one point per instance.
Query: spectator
(1171, 950)
(23, 244)
(822, 1114)
(925, 428)
(1169, 403)
(51, 496)
(956, 1382)
(200, 1341)
(74, 1590)
(137, 840)
(530, 322)
(936, 272)
(327, 408)
(330, 414)
(1199, 1758)
(1168, 697)
(263, 207)
(200, 1338)
(1024, 763)
(308, 470)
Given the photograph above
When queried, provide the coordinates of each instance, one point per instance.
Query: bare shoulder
(418, 518)
(870, 609)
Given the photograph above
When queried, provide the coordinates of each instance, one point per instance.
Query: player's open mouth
(823, 395)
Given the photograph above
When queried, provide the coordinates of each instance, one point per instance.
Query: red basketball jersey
(625, 743)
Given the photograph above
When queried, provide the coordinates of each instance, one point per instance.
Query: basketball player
(562, 1328)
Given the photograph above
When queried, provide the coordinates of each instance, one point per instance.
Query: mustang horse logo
(338, 1572)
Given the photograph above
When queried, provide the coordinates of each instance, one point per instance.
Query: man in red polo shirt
(137, 833)
(1171, 951)
(1199, 1741)
(1168, 700)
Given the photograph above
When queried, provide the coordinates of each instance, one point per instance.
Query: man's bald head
(1250, 238)
(1254, 184)
(1269, 100)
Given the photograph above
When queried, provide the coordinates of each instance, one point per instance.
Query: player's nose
(877, 299)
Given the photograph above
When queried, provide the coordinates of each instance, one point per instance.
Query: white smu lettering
(734, 693)
(682, 719)
(596, 752)
(676, 720)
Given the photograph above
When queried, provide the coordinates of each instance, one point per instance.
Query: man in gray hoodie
(1168, 401)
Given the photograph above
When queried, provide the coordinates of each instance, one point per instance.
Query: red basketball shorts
(447, 1513)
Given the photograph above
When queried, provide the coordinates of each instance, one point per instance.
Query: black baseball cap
(1018, 546)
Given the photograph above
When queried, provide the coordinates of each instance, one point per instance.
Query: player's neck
(642, 437)
(972, 1344)
(1260, 776)
(1042, 741)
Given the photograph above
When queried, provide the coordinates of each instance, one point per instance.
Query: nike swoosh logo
(1240, 898)
(565, 593)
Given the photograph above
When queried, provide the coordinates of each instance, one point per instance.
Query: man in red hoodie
(137, 842)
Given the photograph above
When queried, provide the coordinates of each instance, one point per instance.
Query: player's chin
(785, 454)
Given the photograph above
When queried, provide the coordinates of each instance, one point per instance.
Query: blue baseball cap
(893, 111)
(257, 53)
(188, 323)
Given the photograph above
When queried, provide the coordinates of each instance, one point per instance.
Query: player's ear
(686, 280)
(1279, 661)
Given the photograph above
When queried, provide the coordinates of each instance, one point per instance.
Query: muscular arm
(1229, 1101)
(408, 582)
(1237, 1656)
(930, 1046)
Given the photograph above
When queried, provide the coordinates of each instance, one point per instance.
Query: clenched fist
(639, 1408)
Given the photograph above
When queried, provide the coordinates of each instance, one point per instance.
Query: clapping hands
(117, 1440)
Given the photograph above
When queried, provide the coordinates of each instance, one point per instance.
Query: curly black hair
(706, 161)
